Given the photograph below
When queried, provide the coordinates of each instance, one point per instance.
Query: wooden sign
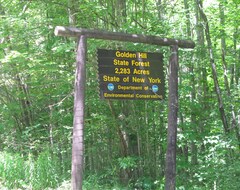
(130, 75)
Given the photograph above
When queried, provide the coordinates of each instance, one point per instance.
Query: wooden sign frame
(80, 80)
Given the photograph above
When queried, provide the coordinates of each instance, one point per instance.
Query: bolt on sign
(130, 75)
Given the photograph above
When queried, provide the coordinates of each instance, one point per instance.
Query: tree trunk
(72, 12)
(121, 13)
(224, 64)
(186, 6)
(193, 146)
(78, 120)
(223, 47)
(214, 71)
(170, 172)
(159, 7)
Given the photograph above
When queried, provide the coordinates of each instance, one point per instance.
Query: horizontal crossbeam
(139, 38)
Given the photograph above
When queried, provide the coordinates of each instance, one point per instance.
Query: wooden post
(170, 170)
(78, 120)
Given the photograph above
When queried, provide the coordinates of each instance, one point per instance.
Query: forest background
(125, 141)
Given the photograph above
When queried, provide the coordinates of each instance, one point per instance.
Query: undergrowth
(26, 172)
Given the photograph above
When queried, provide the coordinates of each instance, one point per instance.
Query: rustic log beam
(139, 38)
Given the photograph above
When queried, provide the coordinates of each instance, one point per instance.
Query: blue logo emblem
(110, 87)
(154, 88)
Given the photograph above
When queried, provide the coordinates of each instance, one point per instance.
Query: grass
(26, 172)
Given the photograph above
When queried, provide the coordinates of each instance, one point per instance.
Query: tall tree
(225, 70)
(213, 67)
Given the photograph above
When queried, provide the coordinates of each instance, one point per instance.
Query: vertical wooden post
(170, 170)
(78, 120)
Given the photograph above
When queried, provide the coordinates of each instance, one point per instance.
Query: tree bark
(224, 64)
(193, 146)
(170, 173)
(214, 70)
(121, 12)
(186, 6)
(159, 7)
(223, 47)
(78, 120)
(72, 12)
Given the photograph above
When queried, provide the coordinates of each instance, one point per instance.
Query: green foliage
(36, 102)
(18, 171)
(12, 170)
(127, 162)
(46, 171)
